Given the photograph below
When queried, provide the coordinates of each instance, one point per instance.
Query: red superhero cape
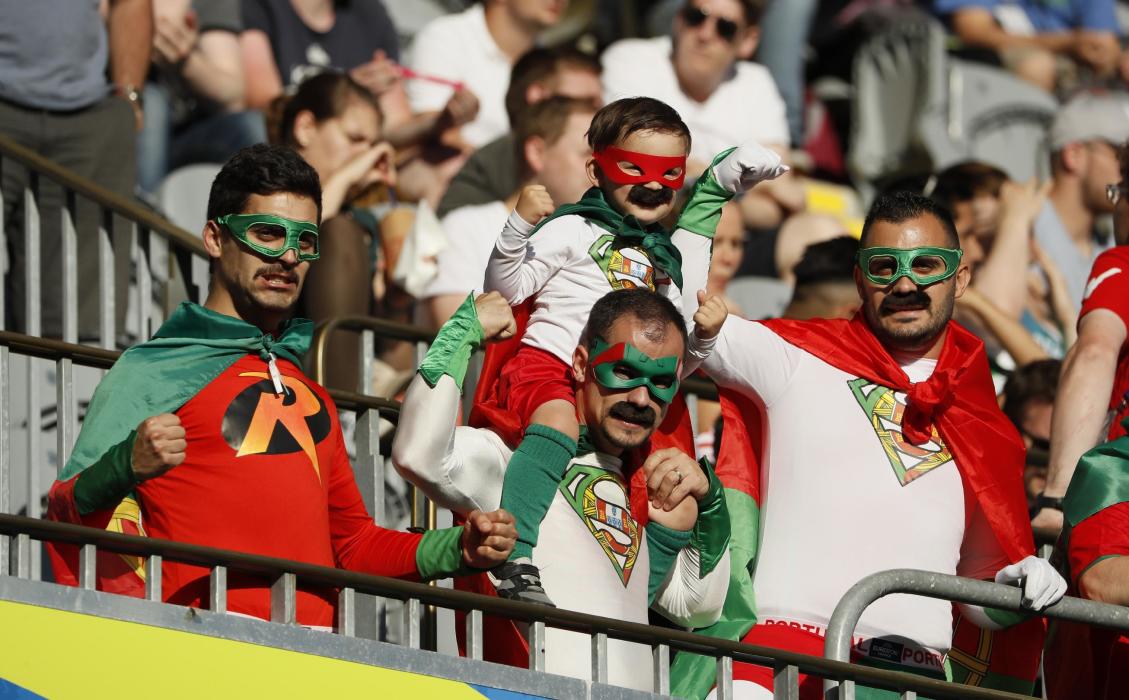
(959, 399)
(507, 644)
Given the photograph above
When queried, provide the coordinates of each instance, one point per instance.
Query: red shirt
(269, 475)
(1108, 288)
(1103, 534)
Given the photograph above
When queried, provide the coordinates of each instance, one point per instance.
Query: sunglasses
(1116, 193)
(695, 16)
(924, 265)
(273, 235)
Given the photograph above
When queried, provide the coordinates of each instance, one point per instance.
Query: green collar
(653, 238)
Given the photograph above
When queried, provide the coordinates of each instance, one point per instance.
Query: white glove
(1042, 585)
(747, 165)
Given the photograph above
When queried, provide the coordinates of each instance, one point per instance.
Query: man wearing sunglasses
(622, 533)
(884, 449)
(211, 434)
(703, 71)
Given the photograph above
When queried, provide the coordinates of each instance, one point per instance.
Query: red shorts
(787, 638)
(533, 377)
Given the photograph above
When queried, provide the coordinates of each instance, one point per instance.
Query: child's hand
(534, 204)
(495, 316)
(710, 316)
(747, 165)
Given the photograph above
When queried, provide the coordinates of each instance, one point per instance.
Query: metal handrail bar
(703, 388)
(120, 205)
(89, 356)
(956, 589)
(273, 568)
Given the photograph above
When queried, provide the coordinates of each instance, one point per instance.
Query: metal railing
(284, 575)
(165, 255)
(956, 589)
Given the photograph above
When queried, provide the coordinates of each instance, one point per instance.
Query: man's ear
(579, 363)
(213, 239)
(534, 149)
(1073, 157)
(963, 277)
(304, 127)
(747, 44)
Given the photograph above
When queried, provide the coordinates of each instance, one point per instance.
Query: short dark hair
(618, 120)
(896, 207)
(1034, 381)
(827, 261)
(326, 95)
(546, 119)
(754, 10)
(263, 170)
(964, 181)
(651, 308)
(538, 65)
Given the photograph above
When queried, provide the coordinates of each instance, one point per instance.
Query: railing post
(599, 657)
(69, 281)
(283, 603)
(786, 682)
(474, 635)
(153, 584)
(412, 614)
(537, 646)
(724, 678)
(347, 612)
(661, 668)
(217, 589)
(23, 556)
(107, 319)
(88, 567)
(5, 449)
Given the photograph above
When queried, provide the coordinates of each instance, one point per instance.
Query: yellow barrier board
(58, 654)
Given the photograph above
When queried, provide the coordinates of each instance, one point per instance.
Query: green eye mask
(922, 265)
(273, 235)
(623, 366)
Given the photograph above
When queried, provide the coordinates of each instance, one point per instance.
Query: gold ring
(679, 475)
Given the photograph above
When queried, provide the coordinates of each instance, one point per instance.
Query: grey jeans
(97, 143)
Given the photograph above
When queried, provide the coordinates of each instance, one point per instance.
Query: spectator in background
(825, 281)
(477, 48)
(335, 125)
(704, 74)
(492, 173)
(287, 41)
(55, 56)
(1093, 404)
(550, 149)
(194, 95)
(1029, 399)
(728, 251)
(1041, 42)
(1084, 139)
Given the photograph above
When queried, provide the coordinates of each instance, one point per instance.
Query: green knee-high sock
(531, 481)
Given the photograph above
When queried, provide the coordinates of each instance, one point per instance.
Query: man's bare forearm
(130, 25)
(1107, 581)
(1080, 410)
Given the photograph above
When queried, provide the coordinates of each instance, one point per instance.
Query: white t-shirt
(569, 264)
(843, 495)
(459, 47)
(471, 232)
(745, 107)
(593, 555)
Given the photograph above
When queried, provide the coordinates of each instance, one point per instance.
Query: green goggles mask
(924, 266)
(273, 235)
(623, 366)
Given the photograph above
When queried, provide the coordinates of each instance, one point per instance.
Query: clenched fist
(710, 316)
(159, 446)
(495, 316)
(747, 165)
(488, 538)
(534, 204)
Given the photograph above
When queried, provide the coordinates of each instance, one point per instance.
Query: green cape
(192, 348)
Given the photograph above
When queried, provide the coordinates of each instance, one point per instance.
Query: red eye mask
(654, 167)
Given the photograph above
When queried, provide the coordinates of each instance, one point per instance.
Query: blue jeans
(212, 139)
(784, 34)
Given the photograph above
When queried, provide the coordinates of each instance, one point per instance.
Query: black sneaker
(519, 580)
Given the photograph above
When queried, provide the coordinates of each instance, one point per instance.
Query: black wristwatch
(1042, 501)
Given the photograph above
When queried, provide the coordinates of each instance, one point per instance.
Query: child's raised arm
(518, 270)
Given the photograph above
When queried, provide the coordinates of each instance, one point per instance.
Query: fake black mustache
(645, 197)
(909, 300)
(632, 413)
